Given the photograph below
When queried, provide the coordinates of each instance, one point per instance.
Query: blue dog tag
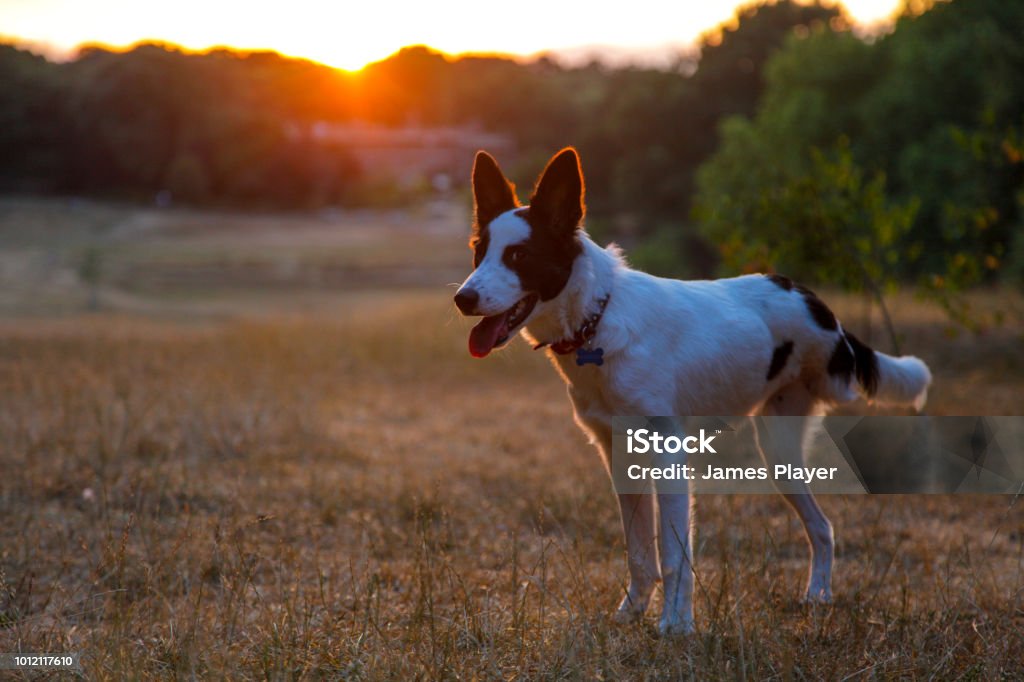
(585, 356)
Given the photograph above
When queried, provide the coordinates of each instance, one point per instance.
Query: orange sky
(351, 34)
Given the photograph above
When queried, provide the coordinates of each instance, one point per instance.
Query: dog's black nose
(466, 300)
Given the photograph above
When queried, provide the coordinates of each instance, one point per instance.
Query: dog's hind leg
(781, 441)
(638, 524)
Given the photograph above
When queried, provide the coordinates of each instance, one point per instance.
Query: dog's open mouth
(495, 330)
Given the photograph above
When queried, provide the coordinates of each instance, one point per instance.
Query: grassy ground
(325, 484)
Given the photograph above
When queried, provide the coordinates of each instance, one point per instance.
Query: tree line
(786, 139)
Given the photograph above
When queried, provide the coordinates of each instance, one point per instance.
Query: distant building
(412, 154)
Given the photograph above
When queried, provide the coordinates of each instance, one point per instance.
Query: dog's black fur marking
(554, 215)
(850, 357)
(865, 363)
(818, 310)
(547, 258)
(842, 362)
(479, 243)
(779, 358)
(781, 281)
(493, 194)
(557, 201)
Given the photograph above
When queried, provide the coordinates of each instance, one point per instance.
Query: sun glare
(350, 35)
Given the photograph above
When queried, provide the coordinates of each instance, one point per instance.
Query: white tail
(902, 381)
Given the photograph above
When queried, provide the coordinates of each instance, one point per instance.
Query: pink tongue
(486, 333)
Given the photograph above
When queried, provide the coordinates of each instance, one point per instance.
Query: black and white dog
(757, 344)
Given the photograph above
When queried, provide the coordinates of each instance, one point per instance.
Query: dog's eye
(515, 253)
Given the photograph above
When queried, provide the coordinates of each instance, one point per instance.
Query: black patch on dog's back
(819, 311)
(547, 257)
(851, 356)
(779, 357)
(781, 281)
(815, 306)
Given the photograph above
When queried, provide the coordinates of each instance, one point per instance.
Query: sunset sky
(351, 34)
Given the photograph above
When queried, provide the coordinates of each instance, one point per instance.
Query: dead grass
(347, 494)
(275, 473)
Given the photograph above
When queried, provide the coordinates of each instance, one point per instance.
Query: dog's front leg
(638, 523)
(676, 562)
(674, 546)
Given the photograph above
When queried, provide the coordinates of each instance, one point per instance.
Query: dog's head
(522, 255)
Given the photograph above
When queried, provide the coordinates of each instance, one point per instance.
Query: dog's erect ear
(492, 193)
(558, 199)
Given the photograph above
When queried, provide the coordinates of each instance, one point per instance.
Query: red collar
(583, 335)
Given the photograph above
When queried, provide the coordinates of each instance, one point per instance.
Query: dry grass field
(274, 480)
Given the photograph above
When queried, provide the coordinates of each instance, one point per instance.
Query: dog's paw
(627, 616)
(675, 627)
(818, 596)
(629, 612)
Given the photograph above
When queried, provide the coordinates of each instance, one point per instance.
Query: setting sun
(350, 35)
